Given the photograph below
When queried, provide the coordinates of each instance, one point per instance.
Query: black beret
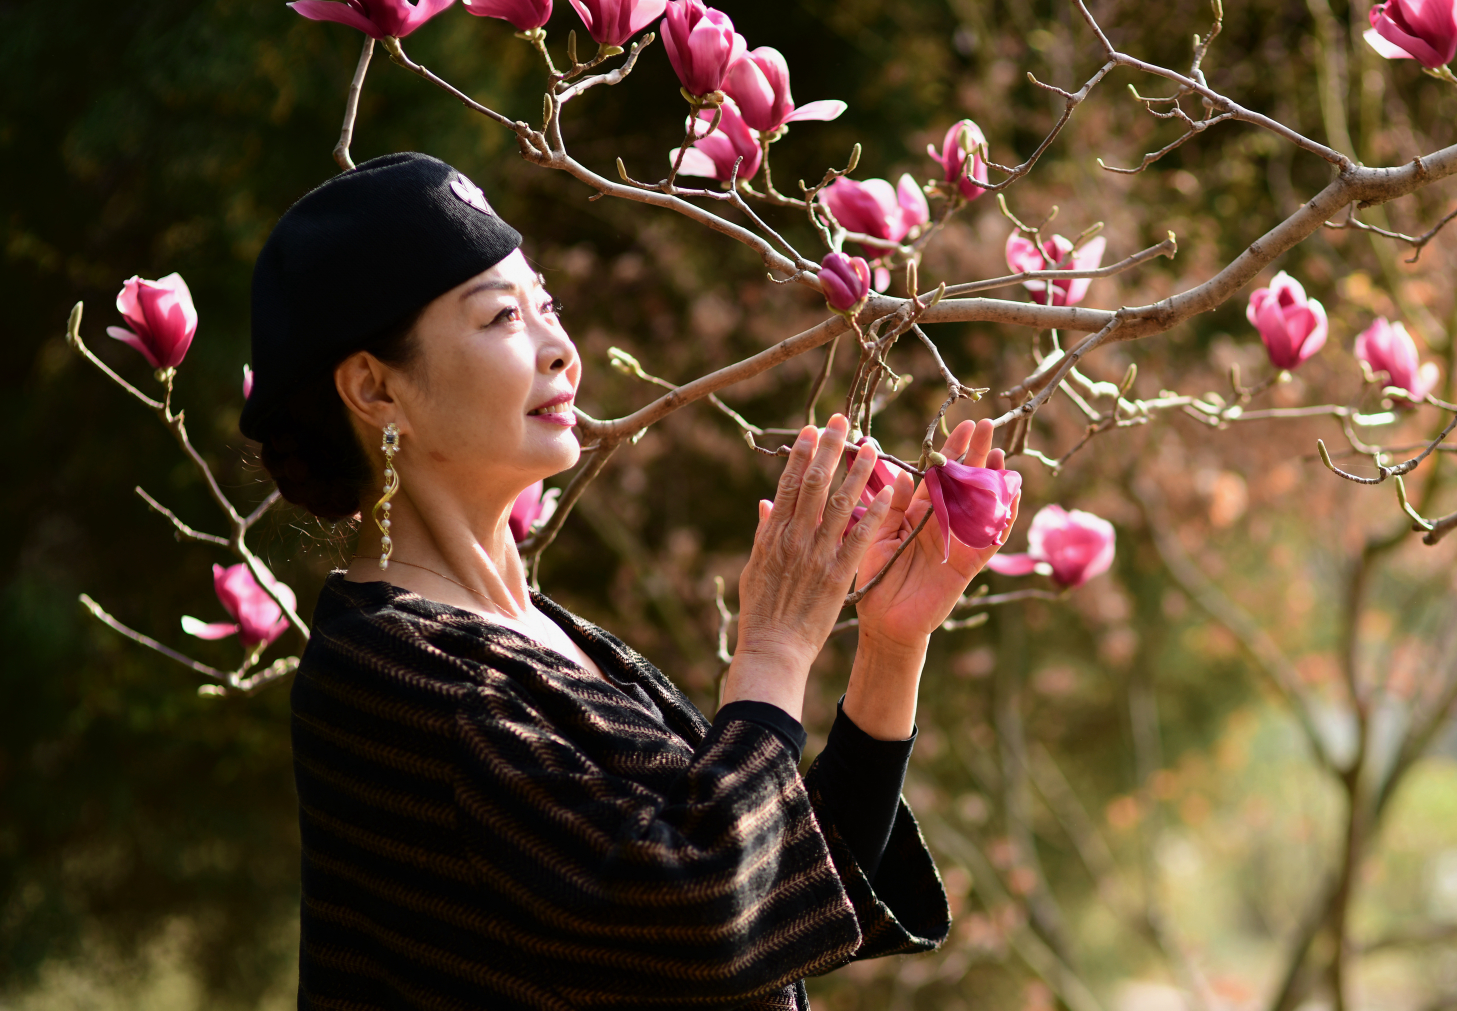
(354, 258)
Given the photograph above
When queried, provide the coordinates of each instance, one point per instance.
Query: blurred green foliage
(143, 138)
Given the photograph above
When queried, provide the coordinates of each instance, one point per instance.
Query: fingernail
(806, 436)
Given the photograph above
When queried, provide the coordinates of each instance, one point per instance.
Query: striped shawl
(485, 825)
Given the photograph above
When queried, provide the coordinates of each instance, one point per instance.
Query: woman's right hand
(802, 565)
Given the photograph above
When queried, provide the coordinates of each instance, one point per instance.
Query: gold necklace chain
(426, 568)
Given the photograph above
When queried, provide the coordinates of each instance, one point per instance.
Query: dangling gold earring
(390, 445)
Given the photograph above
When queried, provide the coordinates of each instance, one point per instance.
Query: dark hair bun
(309, 445)
(312, 453)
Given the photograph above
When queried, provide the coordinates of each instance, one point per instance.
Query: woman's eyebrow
(481, 286)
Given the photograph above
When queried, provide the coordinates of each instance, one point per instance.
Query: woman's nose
(556, 353)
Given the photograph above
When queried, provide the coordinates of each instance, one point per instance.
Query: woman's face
(486, 406)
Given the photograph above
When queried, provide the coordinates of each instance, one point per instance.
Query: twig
(540, 539)
(106, 619)
(855, 596)
(184, 532)
(176, 425)
(725, 618)
(1169, 247)
(973, 602)
(230, 681)
(351, 107)
(1417, 242)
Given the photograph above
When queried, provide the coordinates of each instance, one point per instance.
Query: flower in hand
(1071, 547)
(257, 619)
(1292, 326)
(969, 523)
(974, 504)
(375, 18)
(162, 319)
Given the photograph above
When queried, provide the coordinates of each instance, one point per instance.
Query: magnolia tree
(872, 237)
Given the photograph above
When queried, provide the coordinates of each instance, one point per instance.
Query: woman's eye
(507, 315)
(551, 307)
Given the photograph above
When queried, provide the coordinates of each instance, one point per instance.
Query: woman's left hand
(919, 591)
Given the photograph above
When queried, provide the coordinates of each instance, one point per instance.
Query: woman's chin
(562, 453)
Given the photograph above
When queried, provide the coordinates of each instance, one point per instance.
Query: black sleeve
(769, 716)
(860, 780)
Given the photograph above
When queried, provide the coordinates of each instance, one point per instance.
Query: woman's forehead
(512, 274)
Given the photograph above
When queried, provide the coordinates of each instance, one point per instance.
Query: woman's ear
(364, 384)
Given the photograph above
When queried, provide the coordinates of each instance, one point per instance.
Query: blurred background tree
(1126, 814)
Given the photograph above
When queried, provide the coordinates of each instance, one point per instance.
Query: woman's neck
(449, 551)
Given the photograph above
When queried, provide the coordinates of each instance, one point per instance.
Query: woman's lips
(556, 412)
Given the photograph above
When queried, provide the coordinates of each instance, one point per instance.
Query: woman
(503, 806)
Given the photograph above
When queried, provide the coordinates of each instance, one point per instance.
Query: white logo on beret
(470, 193)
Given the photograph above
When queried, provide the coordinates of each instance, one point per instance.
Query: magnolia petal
(747, 86)
(1417, 48)
(1315, 339)
(1426, 380)
(585, 13)
(938, 504)
(1012, 565)
(1383, 48)
(328, 10)
(204, 630)
(695, 163)
(134, 340)
(822, 111)
(644, 12)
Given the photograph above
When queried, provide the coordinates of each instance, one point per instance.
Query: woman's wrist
(881, 695)
(773, 677)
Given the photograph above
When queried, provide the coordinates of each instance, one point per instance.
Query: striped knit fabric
(487, 826)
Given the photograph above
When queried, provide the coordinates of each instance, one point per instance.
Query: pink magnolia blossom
(964, 140)
(375, 18)
(257, 618)
(1421, 30)
(1292, 326)
(524, 15)
(845, 280)
(974, 503)
(162, 319)
(613, 22)
(876, 209)
(1071, 547)
(247, 382)
(1057, 253)
(1387, 347)
(701, 44)
(881, 476)
(713, 154)
(532, 507)
(759, 83)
